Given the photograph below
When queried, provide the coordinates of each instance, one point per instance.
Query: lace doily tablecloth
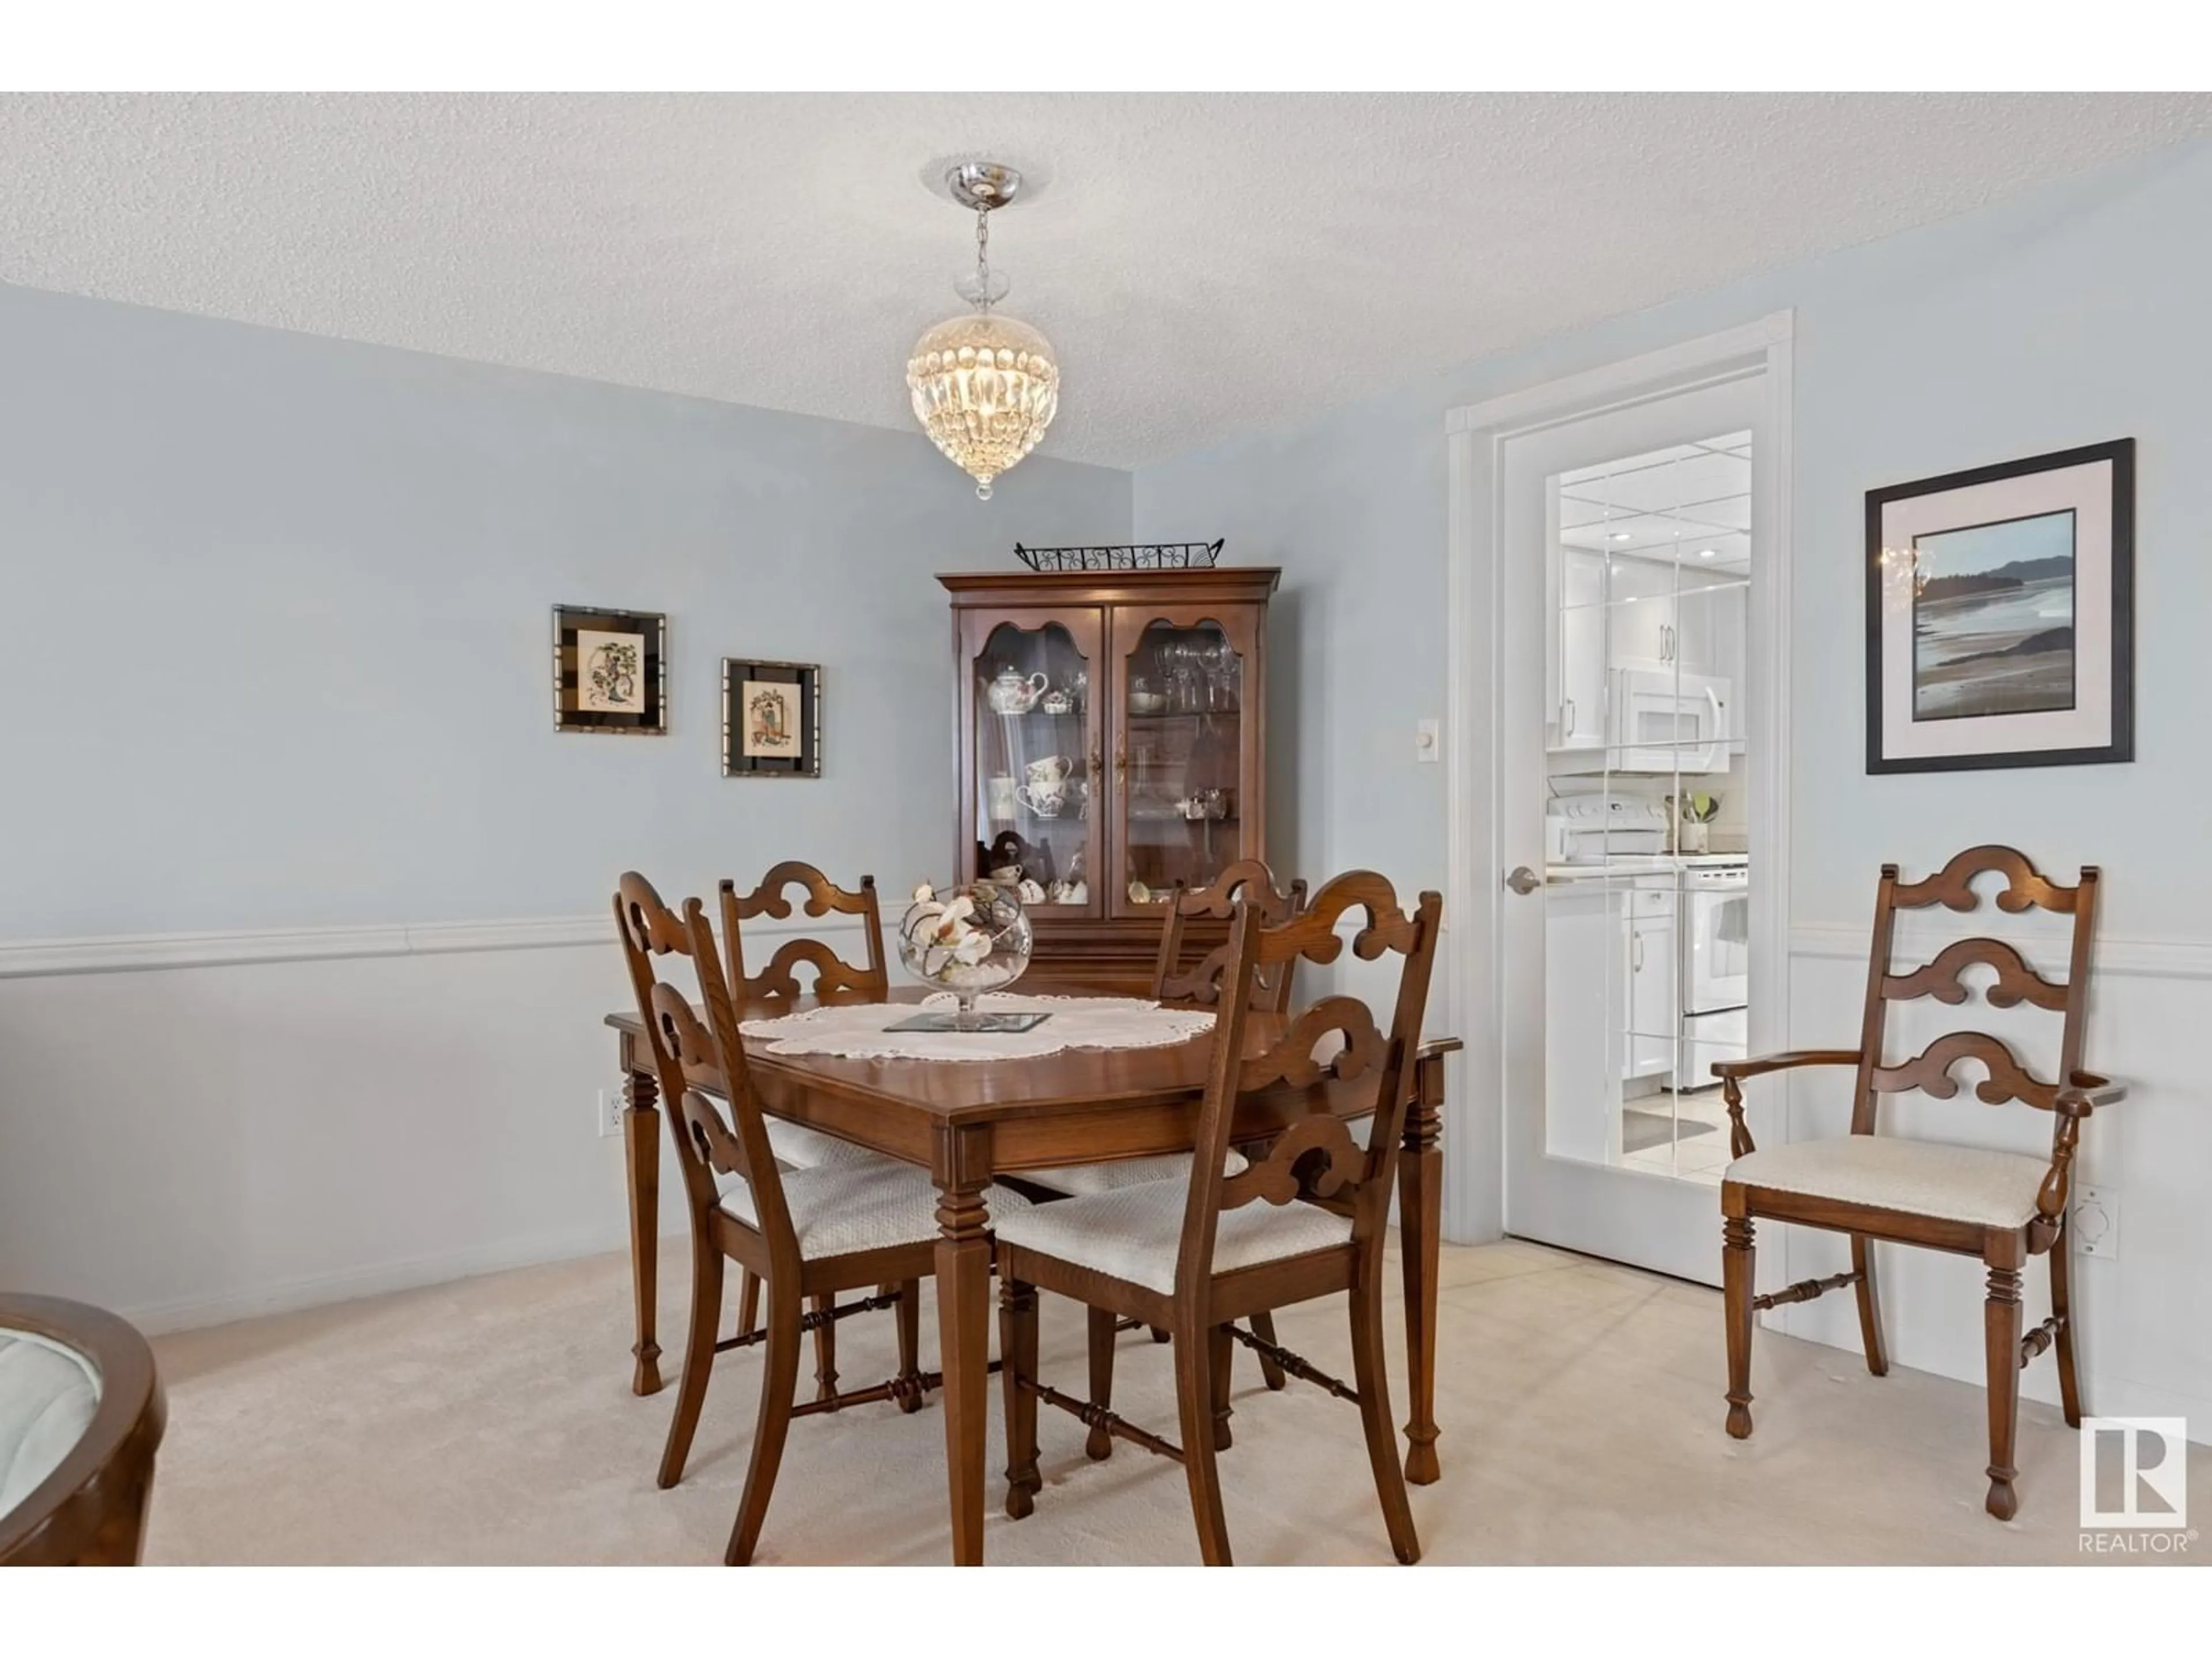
(855, 1030)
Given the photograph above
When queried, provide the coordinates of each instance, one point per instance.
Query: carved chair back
(1944, 979)
(648, 929)
(708, 1057)
(835, 979)
(1315, 1159)
(684, 1055)
(1248, 881)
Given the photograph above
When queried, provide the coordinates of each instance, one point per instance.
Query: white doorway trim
(1475, 1137)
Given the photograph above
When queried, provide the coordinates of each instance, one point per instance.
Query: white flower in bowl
(972, 938)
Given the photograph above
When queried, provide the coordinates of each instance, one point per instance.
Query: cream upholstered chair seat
(1921, 1177)
(48, 1394)
(1087, 1179)
(1133, 1233)
(841, 1208)
(803, 1148)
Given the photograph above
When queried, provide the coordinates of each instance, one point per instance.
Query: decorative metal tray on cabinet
(1139, 556)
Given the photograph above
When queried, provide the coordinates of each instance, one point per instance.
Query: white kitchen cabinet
(1709, 628)
(1696, 627)
(1649, 973)
(1625, 650)
(1585, 1039)
(1578, 650)
(1640, 618)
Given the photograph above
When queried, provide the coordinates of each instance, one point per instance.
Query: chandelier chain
(983, 260)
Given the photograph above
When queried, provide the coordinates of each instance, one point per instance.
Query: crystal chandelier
(985, 387)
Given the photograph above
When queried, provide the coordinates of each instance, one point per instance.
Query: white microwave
(1659, 719)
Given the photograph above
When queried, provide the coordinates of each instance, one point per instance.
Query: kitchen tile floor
(1700, 1158)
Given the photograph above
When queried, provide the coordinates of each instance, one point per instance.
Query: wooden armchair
(81, 1418)
(2001, 1206)
(808, 1235)
(1198, 1255)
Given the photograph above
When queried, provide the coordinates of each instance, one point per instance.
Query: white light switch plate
(1427, 745)
(2093, 1222)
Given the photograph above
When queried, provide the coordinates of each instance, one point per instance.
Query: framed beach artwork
(610, 671)
(2000, 615)
(771, 719)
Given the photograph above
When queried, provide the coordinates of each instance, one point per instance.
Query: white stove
(1714, 927)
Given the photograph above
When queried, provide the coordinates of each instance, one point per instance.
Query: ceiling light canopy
(985, 387)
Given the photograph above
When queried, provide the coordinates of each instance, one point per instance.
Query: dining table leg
(1420, 1192)
(642, 1155)
(964, 1315)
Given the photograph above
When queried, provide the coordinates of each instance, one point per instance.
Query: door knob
(1523, 880)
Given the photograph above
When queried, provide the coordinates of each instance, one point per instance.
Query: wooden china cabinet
(1111, 727)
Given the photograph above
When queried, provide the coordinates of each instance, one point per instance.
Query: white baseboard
(291, 1295)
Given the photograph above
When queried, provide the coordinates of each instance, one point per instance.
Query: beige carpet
(491, 1421)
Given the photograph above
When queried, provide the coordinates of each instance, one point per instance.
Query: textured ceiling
(1203, 263)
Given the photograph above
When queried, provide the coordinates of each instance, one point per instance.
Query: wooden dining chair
(2000, 1207)
(1307, 1221)
(81, 1418)
(808, 1235)
(835, 980)
(1177, 977)
(648, 929)
(1197, 981)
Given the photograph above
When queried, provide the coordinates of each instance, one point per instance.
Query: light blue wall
(2073, 315)
(278, 614)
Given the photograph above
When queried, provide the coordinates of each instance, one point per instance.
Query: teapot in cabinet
(1010, 694)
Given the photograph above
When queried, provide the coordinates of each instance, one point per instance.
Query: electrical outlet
(2093, 1222)
(611, 1107)
(1425, 746)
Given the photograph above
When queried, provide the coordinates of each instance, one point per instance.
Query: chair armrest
(1733, 1072)
(1736, 1071)
(2085, 1091)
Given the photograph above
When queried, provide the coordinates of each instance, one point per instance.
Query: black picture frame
(2119, 693)
(578, 664)
(802, 724)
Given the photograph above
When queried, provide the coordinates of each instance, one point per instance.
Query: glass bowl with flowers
(966, 939)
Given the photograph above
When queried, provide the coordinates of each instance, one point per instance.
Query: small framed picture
(771, 719)
(2001, 615)
(609, 670)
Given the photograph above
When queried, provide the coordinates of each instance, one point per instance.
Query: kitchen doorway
(1634, 887)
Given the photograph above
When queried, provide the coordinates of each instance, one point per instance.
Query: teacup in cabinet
(1048, 799)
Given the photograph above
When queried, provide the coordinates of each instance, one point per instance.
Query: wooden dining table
(970, 1122)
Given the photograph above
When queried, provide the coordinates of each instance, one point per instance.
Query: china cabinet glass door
(1032, 788)
(1186, 750)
